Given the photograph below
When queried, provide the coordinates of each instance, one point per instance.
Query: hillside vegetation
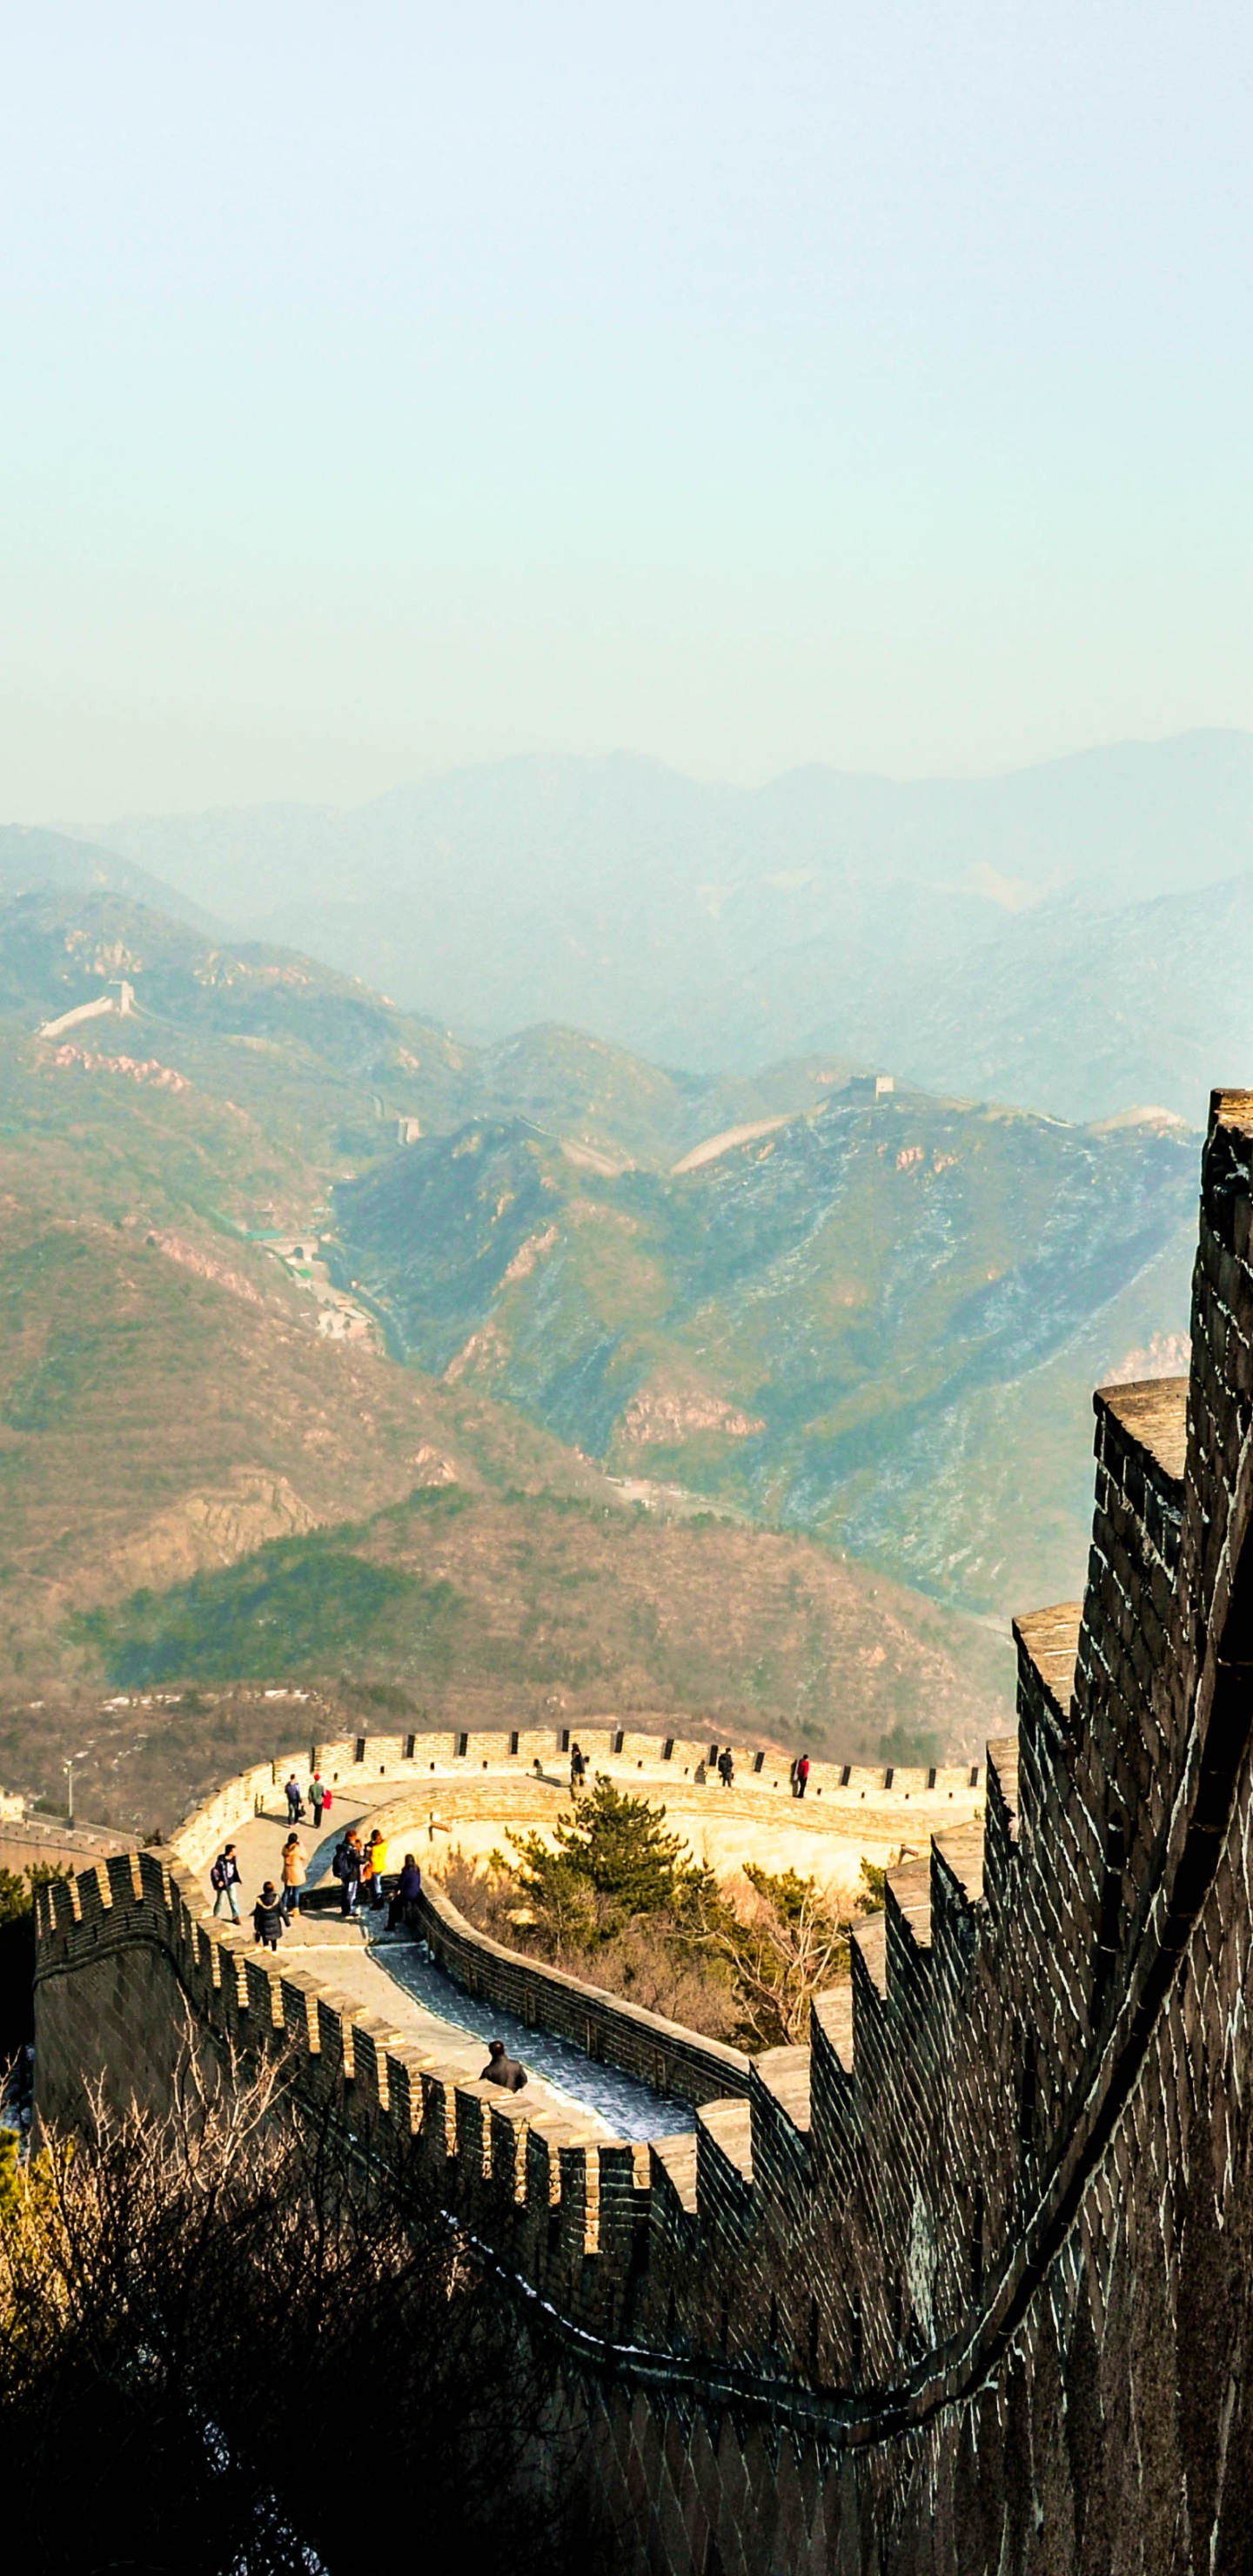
(882, 1320)
(198, 1489)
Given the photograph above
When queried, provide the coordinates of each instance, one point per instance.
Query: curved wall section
(656, 2052)
(967, 2286)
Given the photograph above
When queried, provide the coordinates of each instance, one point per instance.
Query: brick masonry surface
(963, 2289)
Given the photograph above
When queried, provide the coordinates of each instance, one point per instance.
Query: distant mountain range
(200, 1485)
(33, 861)
(879, 1319)
(1057, 938)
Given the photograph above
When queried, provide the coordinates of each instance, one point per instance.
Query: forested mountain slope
(851, 1322)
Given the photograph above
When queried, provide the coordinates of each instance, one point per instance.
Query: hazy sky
(392, 386)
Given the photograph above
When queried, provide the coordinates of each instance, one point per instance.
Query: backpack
(217, 1877)
(341, 1864)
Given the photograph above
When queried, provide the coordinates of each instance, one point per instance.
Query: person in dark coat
(501, 2069)
(726, 1766)
(295, 1801)
(347, 1865)
(224, 1879)
(267, 1916)
(408, 1886)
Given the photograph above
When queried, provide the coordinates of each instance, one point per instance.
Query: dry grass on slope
(159, 1418)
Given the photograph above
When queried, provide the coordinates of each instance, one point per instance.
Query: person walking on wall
(267, 1916)
(295, 1801)
(578, 1768)
(224, 1879)
(501, 2069)
(726, 1766)
(802, 1774)
(408, 1887)
(294, 1875)
(317, 1799)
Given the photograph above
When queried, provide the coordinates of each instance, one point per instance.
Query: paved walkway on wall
(397, 1979)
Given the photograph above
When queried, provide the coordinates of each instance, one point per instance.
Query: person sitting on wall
(267, 1916)
(408, 1887)
(224, 1879)
(726, 1766)
(295, 1801)
(501, 2069)
(294, 1875)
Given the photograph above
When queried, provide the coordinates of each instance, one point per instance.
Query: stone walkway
(397, 1979)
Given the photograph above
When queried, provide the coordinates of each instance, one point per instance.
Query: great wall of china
(964, 2286)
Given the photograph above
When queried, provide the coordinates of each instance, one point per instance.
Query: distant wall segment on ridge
(349, 1760)
(966, 2288)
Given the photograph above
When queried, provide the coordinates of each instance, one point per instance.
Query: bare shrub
(229, 2335)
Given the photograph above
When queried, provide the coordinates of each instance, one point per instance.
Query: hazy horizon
(82, 825)
(391, 394)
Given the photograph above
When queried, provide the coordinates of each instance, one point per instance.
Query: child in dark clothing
(267, 1916)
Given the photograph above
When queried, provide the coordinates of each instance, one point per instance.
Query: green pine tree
(613, 1846)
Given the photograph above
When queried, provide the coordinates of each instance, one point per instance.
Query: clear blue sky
(392, 386)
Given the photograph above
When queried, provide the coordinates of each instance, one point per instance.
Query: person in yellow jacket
(294, 1875)
(376, 1864)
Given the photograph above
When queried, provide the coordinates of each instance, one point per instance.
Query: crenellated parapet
(980, 2259)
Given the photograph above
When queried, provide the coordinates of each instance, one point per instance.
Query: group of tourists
(359, 1866)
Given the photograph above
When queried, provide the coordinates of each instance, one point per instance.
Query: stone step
(961, 1856)
(724, 2154)
(728, 2127)
(779, 2103)
(673, 2170)
(1048, 1647)
(1152, 1414)
(783, 2075)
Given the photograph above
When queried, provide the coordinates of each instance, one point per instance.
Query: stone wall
(658, 2052)
(347, 1761)
(966, 2286)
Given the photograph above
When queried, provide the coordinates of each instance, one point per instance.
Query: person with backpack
(318, 1799)
(347, 1866)
(267, 1917)
(224, 1879)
